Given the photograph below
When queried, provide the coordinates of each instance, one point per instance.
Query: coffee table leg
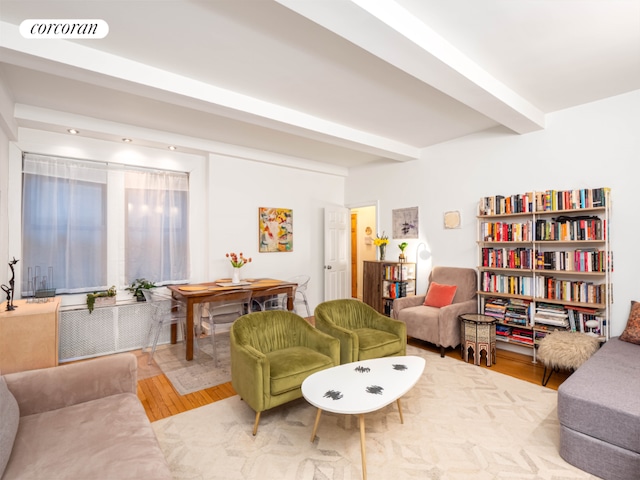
(400, 411)
(315, 425)
(362, 448)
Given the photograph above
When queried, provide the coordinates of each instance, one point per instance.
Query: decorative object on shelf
(452, 219)
(405, 222)
(237, 262)
(381, 241)
(9, 290)
(137, 286)
(402, 246)
(275, 227)
(101, 298)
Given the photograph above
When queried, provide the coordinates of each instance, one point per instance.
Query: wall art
(275, 229)
(405, 222)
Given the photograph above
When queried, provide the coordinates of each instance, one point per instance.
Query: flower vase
(383, 251)
(236, 275)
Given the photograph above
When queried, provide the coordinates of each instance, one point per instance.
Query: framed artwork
(405, 222)
(275, 229)
(452, 219)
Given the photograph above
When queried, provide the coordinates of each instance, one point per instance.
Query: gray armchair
(439, 326)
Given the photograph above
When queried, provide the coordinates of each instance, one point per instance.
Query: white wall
(225, 194)
(594, 145)
(239, 187)
(4, 227)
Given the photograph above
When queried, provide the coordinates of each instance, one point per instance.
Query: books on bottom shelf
(507, 333)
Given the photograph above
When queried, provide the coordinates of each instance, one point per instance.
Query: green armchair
(272, 352)
(363, 332)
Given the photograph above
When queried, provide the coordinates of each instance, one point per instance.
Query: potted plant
(137, 286)
(402, 246)
(109, 296)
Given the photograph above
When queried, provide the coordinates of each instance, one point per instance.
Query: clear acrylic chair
(224, 308)
(164, 311)
(301, 291)
(272, 299)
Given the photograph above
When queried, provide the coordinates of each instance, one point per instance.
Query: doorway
(363, 231)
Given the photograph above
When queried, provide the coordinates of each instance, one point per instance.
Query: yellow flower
(381, 240)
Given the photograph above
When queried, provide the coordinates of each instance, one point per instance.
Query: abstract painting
(275, 227)
(405, 222)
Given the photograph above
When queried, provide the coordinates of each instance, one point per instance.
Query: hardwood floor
(160, 399)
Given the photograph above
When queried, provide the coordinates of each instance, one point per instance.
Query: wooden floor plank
(161, 400)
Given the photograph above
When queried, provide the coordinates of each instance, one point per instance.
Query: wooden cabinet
(385, 281)
(29, 336)
(545, 263)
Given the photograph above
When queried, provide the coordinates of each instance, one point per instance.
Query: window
(66, 231)
(157, 246)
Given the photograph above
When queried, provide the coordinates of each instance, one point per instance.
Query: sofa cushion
(290, 366)
(374, 343)
(110, 435)
(632, 330)
(9, 419)
(440, 295)
(600, 400)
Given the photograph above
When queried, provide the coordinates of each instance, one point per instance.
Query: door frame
(371, 203)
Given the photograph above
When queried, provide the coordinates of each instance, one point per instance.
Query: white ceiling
(342, 82)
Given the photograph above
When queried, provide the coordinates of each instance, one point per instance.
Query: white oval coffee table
(362, 387)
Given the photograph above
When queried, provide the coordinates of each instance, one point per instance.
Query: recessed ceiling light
(171, 147)
(127, 140)
(73, 131)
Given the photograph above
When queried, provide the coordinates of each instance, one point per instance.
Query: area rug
(461, 422)
(201, 372)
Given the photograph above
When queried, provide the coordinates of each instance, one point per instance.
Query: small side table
(479, 333)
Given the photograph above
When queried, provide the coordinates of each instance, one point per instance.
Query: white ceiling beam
(7, 123)
(29, 116)
(79, 62)
(393, 34)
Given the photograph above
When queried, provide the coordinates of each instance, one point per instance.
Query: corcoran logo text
(67, 28)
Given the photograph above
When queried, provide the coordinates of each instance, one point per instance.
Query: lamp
(422, 254)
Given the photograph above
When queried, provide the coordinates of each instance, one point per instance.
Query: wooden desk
(29, 336)
(191, 295)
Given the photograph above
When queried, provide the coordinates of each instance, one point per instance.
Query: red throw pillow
(631, 332)
(440, 295)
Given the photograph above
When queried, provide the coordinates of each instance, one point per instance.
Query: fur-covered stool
(561, 350)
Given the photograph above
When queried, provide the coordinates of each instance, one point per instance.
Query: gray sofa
(439, 326)
(599, 413)
(78, 421)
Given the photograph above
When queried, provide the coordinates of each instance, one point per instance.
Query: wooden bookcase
(545, 263)
(383, 281)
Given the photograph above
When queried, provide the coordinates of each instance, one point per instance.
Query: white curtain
(64, 231)
(156, 226)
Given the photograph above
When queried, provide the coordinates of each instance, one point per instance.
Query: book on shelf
(544, 201)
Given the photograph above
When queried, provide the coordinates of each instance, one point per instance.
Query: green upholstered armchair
(363, 332)
(272, 352)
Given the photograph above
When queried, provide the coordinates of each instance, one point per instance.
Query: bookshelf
(545, 263)
(385, 281)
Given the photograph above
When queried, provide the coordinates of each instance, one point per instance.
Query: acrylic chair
(301, 291)
(224, 308)
(272, 299)
(164, 311)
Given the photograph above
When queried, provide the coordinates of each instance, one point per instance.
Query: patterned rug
(461, 422)
(201, 372)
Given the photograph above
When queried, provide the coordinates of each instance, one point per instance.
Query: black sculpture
(10, 289)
